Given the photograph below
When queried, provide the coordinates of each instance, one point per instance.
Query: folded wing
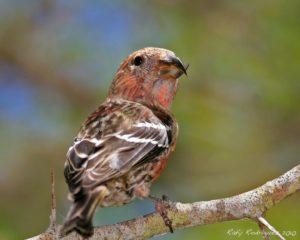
(94, 160)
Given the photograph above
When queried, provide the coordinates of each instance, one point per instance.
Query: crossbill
(123, 146)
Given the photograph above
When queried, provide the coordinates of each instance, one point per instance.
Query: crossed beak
(172, 65)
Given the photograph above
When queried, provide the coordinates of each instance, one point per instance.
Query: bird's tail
(81, 214)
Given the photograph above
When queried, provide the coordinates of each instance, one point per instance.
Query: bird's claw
(161, 206)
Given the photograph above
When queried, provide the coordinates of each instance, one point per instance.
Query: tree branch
(252, 205)
(264, 224)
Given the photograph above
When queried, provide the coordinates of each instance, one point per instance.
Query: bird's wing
(127, 140)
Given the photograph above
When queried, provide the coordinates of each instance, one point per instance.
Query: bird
(124, 145)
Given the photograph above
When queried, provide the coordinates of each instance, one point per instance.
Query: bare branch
(53, 202)
(52, 231)
(252, 204)
(262, 227)
(268, 225)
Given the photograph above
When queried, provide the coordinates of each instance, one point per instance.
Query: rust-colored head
(149, 76)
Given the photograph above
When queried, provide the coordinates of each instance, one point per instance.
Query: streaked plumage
(123, 146)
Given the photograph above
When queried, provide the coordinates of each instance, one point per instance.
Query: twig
(262, 227)
(264, 222)
(52, 232)
(249, 205)
(53, 202)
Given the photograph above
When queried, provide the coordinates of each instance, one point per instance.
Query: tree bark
(252, 205)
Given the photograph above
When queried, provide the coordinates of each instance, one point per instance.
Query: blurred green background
(238, 110)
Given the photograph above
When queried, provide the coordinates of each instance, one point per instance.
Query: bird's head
(148, 76)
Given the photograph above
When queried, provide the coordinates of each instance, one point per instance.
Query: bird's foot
(161, 206)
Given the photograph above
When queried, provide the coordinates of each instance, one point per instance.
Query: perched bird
(122, 147)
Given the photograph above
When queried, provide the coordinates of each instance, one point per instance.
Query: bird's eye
(138, 61)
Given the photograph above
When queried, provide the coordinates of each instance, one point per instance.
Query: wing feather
(121, 151)
(97, 157)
